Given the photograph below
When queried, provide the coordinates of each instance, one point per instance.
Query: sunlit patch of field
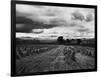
(44, 58)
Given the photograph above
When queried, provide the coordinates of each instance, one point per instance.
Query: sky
(50, 22)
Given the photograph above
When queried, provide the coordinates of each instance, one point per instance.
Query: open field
(44, 58)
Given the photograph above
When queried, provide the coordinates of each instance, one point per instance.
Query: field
(44, 58)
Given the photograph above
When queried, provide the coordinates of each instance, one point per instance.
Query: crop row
(29, 50)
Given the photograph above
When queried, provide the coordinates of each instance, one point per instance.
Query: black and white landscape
(52, 38)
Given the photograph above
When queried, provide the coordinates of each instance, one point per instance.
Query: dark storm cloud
(78, 16)
(30, 22)
(23, 24)
(34, 18)
(26, 24)
(24, 27)
(24, 20)
(89, 17)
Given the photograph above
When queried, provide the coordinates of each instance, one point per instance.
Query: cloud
(23, 28)
(83, 30)
(37, 31)
(89, 17)
(23, 20)
(54, 20)
(78, 16)
(24, 24)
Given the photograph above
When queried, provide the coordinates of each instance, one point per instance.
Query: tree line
(61, 40)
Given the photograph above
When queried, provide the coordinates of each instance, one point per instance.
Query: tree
(60, 40)
(68, 41)
(78, 41)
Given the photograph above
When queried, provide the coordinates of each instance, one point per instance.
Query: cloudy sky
(50, 22)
